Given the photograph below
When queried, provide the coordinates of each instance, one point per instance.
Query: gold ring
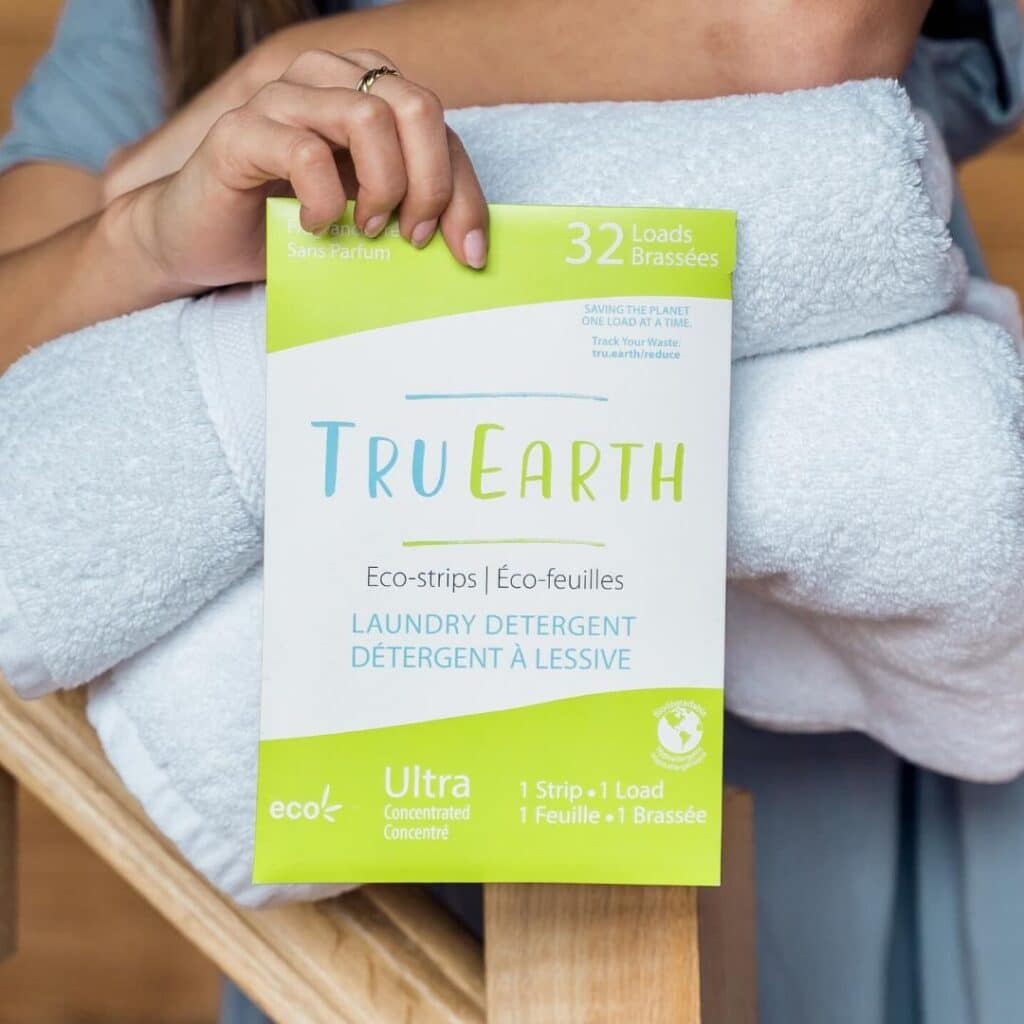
(365, 84)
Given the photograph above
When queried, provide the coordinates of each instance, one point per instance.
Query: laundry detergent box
(495, 551)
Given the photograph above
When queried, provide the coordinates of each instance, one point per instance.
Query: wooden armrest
(382, 953)
(604, 954)
(593, 954)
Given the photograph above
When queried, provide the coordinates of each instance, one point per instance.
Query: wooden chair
(556, 954)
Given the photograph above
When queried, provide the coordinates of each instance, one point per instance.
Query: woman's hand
(166, 149)
(312, 134)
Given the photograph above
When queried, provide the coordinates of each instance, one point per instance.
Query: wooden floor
(92, 952)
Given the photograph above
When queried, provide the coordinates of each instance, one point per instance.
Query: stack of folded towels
(876, 533)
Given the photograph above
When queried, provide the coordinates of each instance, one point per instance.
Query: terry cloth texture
(125, 504)
(180, 723)
(876, 541)
(875, 529)
(843, 195)
(131, 474)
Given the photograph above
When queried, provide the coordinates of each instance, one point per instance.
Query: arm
(96, 88)
(91, 270)
(37, 200)
(481, 52)
(469, 51)
(203, 226)
(63, 262)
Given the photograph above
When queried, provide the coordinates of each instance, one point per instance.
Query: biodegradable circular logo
(680, 730)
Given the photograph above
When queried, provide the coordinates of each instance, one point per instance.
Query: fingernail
(306, 221)
(422, 233)
(474, 248)
(375, 225)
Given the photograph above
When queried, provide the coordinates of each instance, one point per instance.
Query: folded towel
(131, 483)
(843, 195)
(131, 453)
(180, 723)
(997, 303)
(876, 585)
(876, 544)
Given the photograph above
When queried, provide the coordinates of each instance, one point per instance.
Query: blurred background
(91, 950)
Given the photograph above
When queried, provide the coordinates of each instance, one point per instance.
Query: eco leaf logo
(311, 810)
(327, 809)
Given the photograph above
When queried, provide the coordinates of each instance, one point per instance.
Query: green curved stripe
(421, 284)
(597, 742)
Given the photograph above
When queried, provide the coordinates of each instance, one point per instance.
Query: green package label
(495, 551)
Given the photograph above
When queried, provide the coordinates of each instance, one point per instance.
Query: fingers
(440, 185)
(363, 125)
(464, 220)
(403, 155)
(419, 122)
(246, 150)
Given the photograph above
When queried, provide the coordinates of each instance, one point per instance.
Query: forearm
(481, 52)
(39, 199)
(484, 52)
(469, 52)
(91, 271)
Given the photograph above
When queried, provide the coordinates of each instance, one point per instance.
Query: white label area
(495, 509)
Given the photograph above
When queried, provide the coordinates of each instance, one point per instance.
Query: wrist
(129, 239)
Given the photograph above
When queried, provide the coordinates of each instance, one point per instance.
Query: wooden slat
(591, 954)
(728, 923)
(608, 954)
(454, 950)
(8, 880)
(367, 957)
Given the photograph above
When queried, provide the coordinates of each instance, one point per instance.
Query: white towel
(876, 544)
(130, 453)
(843, 195)
(131, 483)
(997, 303)
(876, 539)
(180, 723)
